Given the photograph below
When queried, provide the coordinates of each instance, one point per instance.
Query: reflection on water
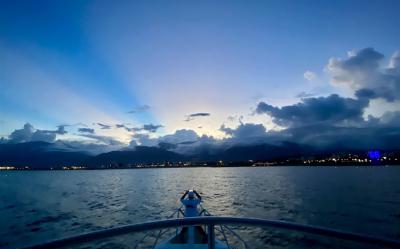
(44, 205)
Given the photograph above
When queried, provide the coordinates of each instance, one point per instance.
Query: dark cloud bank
(315, 125)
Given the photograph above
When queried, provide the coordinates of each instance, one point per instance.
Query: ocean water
(37, 206)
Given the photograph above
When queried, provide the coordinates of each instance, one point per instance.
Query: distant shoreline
(201, 166)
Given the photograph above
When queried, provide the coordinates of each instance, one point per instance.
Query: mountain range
(42, 155)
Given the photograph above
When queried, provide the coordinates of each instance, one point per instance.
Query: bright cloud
(310, 76)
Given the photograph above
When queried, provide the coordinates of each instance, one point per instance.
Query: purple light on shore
(374, 155)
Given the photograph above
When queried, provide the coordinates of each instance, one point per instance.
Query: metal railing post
(211, 236)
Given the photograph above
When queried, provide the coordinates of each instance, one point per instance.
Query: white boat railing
(214, 221)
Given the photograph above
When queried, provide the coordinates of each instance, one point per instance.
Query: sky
(127, 73)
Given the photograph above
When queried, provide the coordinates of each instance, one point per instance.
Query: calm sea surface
(37, 206)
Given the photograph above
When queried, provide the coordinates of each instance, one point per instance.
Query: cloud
(357, 64)
(331, 110)
(366, 93)
(363, 74)
(244, 131)
(199, 114)
(138, 109)
(192, 116)
(302, 95)
(22, 135)
(61, 129)
(147, 127)
(231, 118)
(394, 63)
(179, 137)
(106, 140)
(86, 130)
(143, 140)
(310, 76)
(390, 119)
(183, 141)
(325, 137)
(124, 126)
(104, 126)
(151, 127)
(28, 134)
(44, 136)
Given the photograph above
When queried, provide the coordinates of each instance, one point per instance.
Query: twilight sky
(116, 74)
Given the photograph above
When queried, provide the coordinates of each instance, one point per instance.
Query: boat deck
(190, 237)
(199, 236)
